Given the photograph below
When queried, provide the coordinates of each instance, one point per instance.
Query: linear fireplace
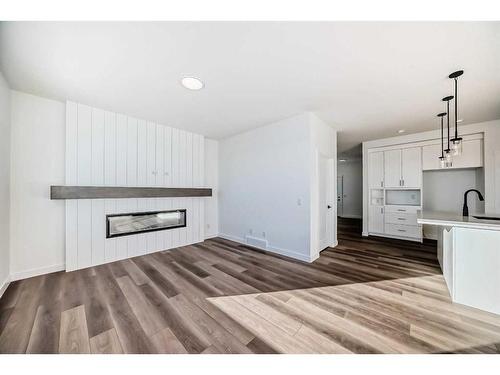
(139, 222)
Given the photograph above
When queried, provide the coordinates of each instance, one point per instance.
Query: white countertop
(450, 219)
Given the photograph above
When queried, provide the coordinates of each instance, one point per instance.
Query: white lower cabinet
(376, 219)
(410, 231)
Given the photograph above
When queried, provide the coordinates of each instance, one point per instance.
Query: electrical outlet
(299, 202)
(250, 231)
(264, 234)
(208, 226)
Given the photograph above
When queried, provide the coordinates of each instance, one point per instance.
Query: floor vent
(257, 242)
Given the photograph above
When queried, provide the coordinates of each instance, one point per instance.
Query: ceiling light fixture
(456, 141)
(342, 160)
(447, 151)
(192, 83)
(401, 131)
(442, 159)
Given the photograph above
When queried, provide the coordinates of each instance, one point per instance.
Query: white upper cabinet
(411, 167)
(376, 169)
(392, 168)
(403, 168)
(471, 157)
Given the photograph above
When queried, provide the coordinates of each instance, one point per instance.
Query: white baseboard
(4, 285)
(273, 249)
(211, 236)
(36, 272)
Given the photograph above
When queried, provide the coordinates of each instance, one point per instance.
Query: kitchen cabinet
(376, 219)
(392, 168)
(403, 167)
(471, 157)
(376, 169)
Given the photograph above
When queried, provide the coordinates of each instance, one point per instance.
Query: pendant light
(456, 141)
(442, 159)
(447, 151)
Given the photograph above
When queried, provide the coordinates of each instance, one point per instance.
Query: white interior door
(326, 196)
(340, 195)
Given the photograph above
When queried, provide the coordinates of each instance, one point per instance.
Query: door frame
(331, 198)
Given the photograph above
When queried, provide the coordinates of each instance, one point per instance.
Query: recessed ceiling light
(192, 83)
(342, 160)
(401, 131)
(460, 120)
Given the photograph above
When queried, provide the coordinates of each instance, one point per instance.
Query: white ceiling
(366, 79)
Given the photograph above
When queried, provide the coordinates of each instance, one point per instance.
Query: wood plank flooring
(368, 295)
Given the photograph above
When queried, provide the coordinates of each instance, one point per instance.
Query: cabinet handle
(381, 183)
(401, 230)
(401, 218)
(402, 182)
(381, 210)
(401, 210)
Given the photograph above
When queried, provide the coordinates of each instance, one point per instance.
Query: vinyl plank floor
(367, 295)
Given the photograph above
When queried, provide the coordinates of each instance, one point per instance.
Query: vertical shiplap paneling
(84, 233)
(168, 156)
(160, 152)
(189, 159)
(98, 231)
(113, 149)
(132, 245)
(84, 142)
(175, 158)
(110, 148)
(142, 153)
(196, 160)
(151, 236)
(121, 242)
(110, 243)
(121, 150)
(182, 158)
(97, 150)
(131, 152)
(151, 159)
(201, 179)
(71, 179)
(71, 143)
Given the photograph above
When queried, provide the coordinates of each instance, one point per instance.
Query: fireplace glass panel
(139, 222)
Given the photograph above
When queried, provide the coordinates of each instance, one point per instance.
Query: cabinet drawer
(413, 231)
(400, 218)
(402, 209)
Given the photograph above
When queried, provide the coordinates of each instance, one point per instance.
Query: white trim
(273, 249)
(4, 286)
(36, 272)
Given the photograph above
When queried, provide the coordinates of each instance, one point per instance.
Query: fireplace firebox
(140, 222)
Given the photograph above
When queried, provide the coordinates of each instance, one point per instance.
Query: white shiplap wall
(109, 149)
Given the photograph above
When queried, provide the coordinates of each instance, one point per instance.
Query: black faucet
(465, 209)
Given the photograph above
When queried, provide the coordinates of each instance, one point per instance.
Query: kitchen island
(469, 255)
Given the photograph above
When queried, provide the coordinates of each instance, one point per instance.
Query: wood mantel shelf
(111, 192)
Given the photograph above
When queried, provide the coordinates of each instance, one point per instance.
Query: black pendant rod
(442, 114)
(447, 100)
(455, 76)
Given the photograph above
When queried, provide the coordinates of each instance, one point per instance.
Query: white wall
(212, 181)
(444, 191)
(268, 187)
(352, 172)
(5, 130)
(264, 188)
(37, 223)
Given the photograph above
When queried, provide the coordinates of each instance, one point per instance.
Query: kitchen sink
(486, 217)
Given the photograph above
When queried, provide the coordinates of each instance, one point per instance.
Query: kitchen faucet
(465, 209)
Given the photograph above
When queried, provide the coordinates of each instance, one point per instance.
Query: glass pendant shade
(442, 162)
(456, 147)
